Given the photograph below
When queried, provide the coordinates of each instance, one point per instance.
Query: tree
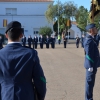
(97, 21)
(66, 11)
(82, 18)
(45, 31)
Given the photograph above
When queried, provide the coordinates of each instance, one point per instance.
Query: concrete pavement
(65, 73)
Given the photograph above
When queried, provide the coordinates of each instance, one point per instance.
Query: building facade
(74, 31)
(31, 14)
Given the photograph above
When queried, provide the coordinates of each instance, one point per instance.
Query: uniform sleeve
(39, 79)
(89, 50)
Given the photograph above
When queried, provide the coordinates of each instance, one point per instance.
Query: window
(11, 11)
(37, 32)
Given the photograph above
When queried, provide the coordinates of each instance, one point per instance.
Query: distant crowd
(33, 42)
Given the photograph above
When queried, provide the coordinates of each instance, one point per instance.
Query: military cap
(12, 25)
(89, 26)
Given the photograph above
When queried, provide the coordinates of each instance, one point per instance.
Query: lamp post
(58, 17)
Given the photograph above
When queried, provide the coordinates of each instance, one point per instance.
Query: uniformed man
(29, 41)
(1, 42)
(77, 41)
(41, 40)
(18, 67)
(65, 41)
(35, 42)
(47, 41)
(91, 60)
(24, 40)
(53, 42)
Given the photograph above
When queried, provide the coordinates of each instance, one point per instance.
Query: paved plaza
(65, 73)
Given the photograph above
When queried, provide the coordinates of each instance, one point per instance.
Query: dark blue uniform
(97, 39)
(52, 40)
(41, 40)
(18, 66)
(35, 42)
(29, 42)
(91, 61)
(1, 43)
(47, 41)
(24, 41)
(65, 41)
(77, 42)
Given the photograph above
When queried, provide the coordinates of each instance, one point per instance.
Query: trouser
(47, 45)
(36, 45)
(29, 44)
(41, 45)
(24, 43)
(90, 81)
(77, 45)
(53, 45)
(64, 44)
(82, 45)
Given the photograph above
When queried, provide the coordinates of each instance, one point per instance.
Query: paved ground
(65, 73)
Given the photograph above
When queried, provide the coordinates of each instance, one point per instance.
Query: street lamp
(58, 17)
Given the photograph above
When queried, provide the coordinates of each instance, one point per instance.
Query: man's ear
(90, 31)
(21, 35)
(6, 35)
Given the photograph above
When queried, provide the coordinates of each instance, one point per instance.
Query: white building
(74, 31)
(31, 14)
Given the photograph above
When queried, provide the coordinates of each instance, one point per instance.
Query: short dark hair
(14, 33)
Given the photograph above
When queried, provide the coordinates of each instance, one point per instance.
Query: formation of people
(33, 42)
(41, 40)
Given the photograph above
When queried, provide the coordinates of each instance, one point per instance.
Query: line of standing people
(41, 40)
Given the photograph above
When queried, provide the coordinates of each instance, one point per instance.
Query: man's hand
(90, 69)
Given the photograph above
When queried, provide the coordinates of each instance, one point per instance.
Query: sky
(85, 3)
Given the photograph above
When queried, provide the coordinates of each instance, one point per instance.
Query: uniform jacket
(24, 39)
(53, 40)
(47, 40)
(97, 39)
(77, 40)
(35, 39)
(29, 40)
(41, 40)
(91, 52)
(18, 66)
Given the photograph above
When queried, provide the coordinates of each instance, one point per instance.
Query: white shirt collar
(12, 42)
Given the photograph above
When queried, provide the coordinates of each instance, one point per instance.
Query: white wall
(28, 22)
(25, 8)
(76, 31)
(31, 15)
